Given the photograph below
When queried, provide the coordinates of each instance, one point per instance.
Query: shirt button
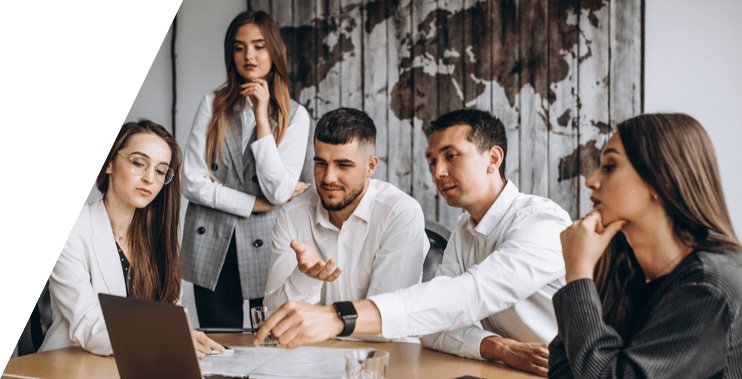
(201, 230)
(258, 243)
(254, 179)
(214, 167)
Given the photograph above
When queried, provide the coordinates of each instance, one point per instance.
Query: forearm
(278, 167)
(369, 318)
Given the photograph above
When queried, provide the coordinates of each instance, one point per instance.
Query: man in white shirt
(373, 232)
(491, 297)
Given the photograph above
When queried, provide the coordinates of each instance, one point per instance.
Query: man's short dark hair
(344, 125)
(486, 130)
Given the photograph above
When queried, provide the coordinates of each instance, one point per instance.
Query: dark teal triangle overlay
(69, 72)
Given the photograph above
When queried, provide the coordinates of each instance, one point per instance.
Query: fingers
(540, 371)
(327, 274)
(268, 325)
(204, 345)
(613, 228)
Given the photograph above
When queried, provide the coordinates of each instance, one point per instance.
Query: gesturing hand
(531, 357)
(311, 265)
(584, 242)
(204, 344)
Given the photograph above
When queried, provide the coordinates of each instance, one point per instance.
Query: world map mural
(559, 74)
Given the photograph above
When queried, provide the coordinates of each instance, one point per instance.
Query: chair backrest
(438, 235)
(36, 327)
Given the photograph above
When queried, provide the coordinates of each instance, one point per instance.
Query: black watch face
(346, 309)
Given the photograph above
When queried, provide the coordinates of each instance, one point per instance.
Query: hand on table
(310, 264)
(297, 324)
(584, 242)
(204, 344)
(531, 357)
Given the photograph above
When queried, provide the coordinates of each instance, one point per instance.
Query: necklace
(119, 237)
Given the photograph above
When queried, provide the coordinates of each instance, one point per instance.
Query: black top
(124, 268)
(691, 326)
(639, 293)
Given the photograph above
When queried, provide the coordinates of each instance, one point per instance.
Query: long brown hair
(153, 232)
(229, 94)
(674, 155)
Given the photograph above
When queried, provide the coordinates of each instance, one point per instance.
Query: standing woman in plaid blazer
(242, 161)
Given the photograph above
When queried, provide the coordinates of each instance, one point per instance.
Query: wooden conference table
(406, 360)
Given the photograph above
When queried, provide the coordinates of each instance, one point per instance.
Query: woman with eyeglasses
(654, 272)
(125, 244)
(242, 161)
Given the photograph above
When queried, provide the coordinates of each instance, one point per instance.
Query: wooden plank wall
(559, 73)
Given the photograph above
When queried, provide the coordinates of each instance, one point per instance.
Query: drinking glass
(259, 315)
(366, 364)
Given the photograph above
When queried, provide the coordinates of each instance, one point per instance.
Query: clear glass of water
(366, 364)
(259, 315)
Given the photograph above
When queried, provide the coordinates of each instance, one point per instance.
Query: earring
(654, 196)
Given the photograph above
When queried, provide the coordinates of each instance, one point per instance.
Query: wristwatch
(348, 314)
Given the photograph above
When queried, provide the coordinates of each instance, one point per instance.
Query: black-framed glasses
(139, 165)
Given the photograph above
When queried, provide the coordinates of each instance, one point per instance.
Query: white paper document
(274, 363)
(240, 363)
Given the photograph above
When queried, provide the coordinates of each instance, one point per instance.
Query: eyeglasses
(139, 165)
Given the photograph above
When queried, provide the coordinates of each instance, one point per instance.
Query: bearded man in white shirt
(355, 236)
(491, 297)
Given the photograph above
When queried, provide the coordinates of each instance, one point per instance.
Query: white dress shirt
(502, 272)
(277, 169)
(380, 248)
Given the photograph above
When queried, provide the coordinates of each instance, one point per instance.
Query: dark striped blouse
(690, 328)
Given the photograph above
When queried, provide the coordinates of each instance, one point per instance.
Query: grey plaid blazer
(208, 231)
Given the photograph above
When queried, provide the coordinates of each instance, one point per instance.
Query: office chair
(37, 325)
(438, 236)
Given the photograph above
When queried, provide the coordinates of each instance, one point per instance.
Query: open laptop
(150, 339)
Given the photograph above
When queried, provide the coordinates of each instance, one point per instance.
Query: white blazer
(88, 265)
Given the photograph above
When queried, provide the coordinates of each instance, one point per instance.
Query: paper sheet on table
(304, 362)
(239, 363)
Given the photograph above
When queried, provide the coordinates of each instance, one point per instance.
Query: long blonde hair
(674, 155)
(229, 94)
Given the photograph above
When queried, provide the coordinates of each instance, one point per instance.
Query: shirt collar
(496, 212)
(362, 211)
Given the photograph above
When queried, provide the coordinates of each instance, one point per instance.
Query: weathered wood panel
(351, 44)
(626, 64)
(375, 73)
(505, 81)
(302, 55)
(593, 91)
(451, 85)
(425, 14)
(400, 86)
(563, 35)
(534, 134)
(329, 55)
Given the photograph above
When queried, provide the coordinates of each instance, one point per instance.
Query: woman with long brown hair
(125, 244)
(243, 160)
(654, 272)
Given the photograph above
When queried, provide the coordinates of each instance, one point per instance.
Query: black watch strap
(347, 312)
